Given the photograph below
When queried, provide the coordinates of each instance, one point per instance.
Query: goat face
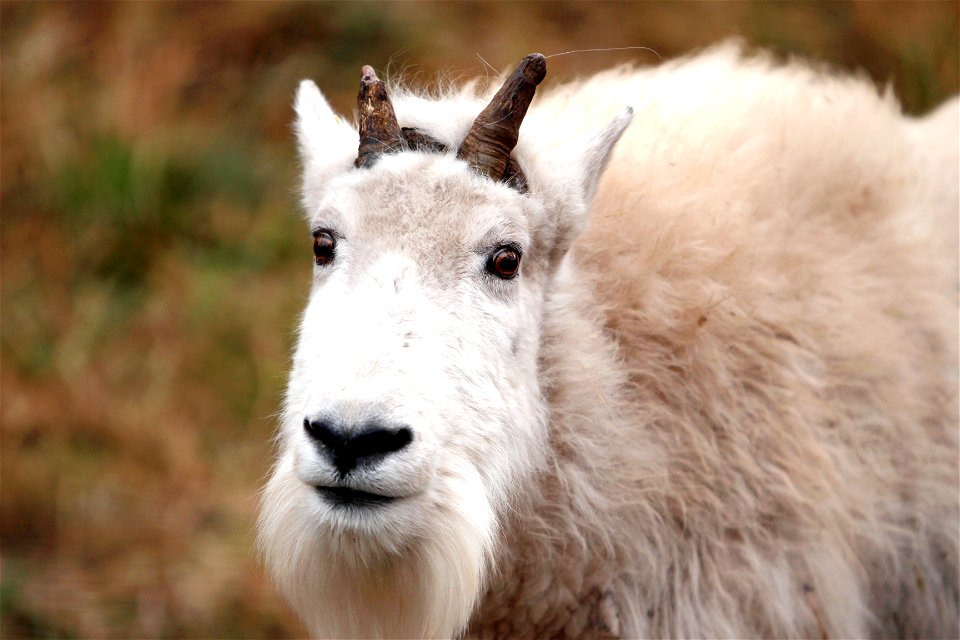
(414, 386)
(414, 407)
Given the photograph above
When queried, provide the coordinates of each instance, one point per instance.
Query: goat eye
(504, 262)
(323, 246)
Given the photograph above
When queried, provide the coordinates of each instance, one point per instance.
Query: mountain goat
(680, 360)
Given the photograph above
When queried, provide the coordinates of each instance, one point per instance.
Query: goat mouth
(344, 496)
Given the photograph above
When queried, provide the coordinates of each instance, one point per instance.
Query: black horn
(494, 133)
(379, 130)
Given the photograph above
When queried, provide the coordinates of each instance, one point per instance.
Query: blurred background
(153, 261)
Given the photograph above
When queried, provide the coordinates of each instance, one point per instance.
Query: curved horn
(379, 130)
(494, 133)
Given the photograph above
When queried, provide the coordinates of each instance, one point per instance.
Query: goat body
(719, 398)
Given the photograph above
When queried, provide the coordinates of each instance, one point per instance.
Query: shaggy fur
(724, 404)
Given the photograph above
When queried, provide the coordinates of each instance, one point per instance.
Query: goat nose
(351, 448)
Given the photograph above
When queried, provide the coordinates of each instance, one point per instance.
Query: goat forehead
(434, 198)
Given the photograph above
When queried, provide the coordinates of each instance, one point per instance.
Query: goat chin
(378, 583)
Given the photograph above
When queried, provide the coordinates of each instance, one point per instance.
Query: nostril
(378, 441)
(323, 432)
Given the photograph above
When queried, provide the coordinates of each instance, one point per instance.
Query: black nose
(350, 448)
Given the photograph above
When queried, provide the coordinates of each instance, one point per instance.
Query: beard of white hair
(348, 583)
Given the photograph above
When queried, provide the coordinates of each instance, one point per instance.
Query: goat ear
(582, 166)
(328, 144)
(599, 151)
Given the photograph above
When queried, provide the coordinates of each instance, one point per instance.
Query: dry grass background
(153, 261)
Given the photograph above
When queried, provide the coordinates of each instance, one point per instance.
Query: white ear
(599, 151)
(328, 144)
(581, 166)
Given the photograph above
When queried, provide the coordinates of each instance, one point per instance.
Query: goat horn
(379, 129)
(494, 133)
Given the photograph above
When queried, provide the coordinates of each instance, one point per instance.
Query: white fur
(722, 405)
